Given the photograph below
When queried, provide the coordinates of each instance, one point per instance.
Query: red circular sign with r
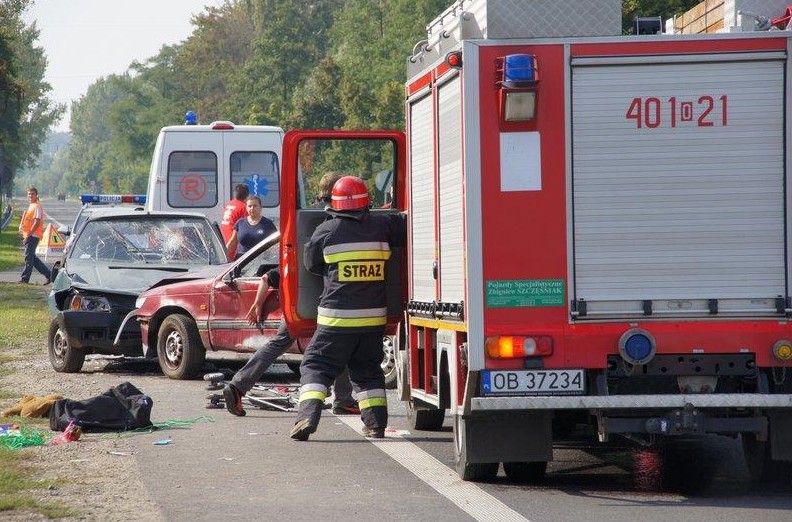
(192, 187)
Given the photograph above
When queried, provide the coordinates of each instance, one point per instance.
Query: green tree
(371, 40)
(291, 40)
(92, 132)
(205, 67)
(26, 113)
(316, 104)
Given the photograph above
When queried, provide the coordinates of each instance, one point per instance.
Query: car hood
(208, 272)
(118, 278)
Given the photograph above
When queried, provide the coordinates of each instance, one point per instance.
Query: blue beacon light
(518, 70)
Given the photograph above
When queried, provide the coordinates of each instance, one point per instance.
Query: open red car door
(378, 157)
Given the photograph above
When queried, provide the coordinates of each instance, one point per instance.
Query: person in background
(235, 210)
(31, 227)
(349, 251)
(244, 380)
(249, 231)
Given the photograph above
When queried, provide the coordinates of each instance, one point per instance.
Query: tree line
(26, 113)
(289, 63)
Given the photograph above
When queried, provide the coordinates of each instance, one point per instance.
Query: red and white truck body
(599, 233)
(621, 256)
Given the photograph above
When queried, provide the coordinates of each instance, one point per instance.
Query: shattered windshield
(149, 240)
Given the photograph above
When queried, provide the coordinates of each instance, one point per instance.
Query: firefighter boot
(373, 433)
(307, 419)
(302, 429)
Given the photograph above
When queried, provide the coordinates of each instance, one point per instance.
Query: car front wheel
(62, 356)
(389, 361)
(179, 350)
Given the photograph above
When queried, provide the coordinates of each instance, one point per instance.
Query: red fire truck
(599, 233)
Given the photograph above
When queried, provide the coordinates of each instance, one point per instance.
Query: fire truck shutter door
(452, 244)
(422, 201)
(678, 177)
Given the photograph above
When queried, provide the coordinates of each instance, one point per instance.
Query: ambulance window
(259, 171)
(373, 160)
(192, 179)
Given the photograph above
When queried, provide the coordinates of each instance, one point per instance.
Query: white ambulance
(196, 167)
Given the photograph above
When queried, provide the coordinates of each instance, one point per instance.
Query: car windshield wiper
(149, 267)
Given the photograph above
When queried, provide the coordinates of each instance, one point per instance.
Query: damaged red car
(186, 319)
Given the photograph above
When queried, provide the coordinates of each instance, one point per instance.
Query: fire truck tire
(179, 350)
(473, 471)
(525, 471)
(425, 419)
(761, 467)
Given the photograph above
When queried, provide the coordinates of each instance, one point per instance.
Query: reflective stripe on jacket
(350, 252)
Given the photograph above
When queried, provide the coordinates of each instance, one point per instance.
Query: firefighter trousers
(259, 362)
(325, 358)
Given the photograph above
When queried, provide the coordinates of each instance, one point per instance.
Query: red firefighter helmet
(349, 193)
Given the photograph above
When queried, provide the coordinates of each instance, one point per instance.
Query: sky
(85, 40)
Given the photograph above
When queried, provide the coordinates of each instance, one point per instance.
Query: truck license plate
(536, 382)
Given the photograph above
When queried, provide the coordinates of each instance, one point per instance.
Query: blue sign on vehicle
(257, 185)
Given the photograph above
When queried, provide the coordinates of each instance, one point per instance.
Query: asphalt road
(228, 468)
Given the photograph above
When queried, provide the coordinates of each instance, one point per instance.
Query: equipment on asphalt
(265, 396)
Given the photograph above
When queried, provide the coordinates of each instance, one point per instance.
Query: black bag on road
(120, 408)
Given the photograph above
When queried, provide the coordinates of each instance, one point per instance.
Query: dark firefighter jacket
(350, 251)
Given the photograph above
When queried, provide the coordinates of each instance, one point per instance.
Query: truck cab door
(378, 157)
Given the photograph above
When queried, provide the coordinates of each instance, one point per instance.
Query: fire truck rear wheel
(474, 471)
(525, 471)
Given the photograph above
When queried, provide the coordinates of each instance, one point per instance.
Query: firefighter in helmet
(349, 250)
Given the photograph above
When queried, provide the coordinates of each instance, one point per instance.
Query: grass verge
(16, 484)
(11, 254)
(23, 323)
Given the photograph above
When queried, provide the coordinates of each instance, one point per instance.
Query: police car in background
(107, 202)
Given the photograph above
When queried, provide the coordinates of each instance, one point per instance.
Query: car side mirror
(232, 275)
(229, 278)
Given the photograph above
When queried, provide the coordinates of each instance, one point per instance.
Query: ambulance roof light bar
(190, 118)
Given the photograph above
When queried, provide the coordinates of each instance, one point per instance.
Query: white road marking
(466, 495)
(57, 223)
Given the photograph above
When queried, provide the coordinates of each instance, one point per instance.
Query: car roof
(105, 209)
(139, 213)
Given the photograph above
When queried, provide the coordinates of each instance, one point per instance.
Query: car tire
(62, 356)
(180, 352)
(389, 361)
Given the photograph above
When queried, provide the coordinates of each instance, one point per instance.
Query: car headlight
(90, 303)
(140, 301)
